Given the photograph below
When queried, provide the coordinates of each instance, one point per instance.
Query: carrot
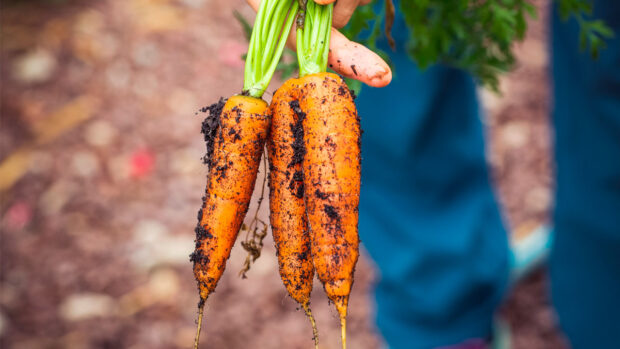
(332, 183)
(286, 198)
(236, 151)
(331, 163)
(237, 148)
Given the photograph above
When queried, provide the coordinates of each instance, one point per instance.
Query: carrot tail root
(201, 309)
(315, 331)
(343, 331)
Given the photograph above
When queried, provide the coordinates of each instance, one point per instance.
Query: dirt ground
(101, 180)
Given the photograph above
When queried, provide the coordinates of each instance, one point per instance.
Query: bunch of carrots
(312, 134)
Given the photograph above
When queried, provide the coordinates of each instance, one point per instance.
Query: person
(428, 215)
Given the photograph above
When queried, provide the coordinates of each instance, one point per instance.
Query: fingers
(254, 4)
(349, 58)
(343, 10)
(356, 61)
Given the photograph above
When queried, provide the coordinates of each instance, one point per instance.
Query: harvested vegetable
(315, 124)
(332, 183)
(286, 197)
(331, 161)
(241, 132)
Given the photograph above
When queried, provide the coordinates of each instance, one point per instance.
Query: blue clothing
(429, 219)
(585, 257)
(428, 216)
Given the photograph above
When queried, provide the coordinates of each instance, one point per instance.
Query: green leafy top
(475, 35)
(313, 33)
(271, 28)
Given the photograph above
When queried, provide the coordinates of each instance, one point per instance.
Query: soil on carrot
(331, 212)
(297, 184)
(299, 149)
(210, 125)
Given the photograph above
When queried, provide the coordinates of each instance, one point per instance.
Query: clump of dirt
(319, 194)
(197, 257)
(297, 184)
(299, 149)
(331, 212)
(210, 125)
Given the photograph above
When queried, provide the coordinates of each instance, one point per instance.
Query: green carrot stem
(313, 39)
(271, 29)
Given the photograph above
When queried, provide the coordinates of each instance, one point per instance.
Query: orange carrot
(288, 211)
(236, 148)
(331, 167)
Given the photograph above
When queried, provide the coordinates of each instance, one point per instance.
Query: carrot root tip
(201, 309)
(343, 331)
(315, 331)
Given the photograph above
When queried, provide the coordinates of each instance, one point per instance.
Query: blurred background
(101, 178)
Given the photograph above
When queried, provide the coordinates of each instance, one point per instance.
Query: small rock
(118, 75)
(146, 54)
(187, 161)
(154, 246)
(164, 284)
(195, 4)
(100, 133)
(85, 164)
(149, 231)
(35, 66)
(87, 305)
(538, 199)
(56, 197)
(515, 134)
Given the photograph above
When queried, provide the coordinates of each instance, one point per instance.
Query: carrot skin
(243, 127)
(331, 167)
(288, 216)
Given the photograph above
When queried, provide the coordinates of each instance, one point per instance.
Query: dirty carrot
(237, 147)
(332, 183)
(286, 197)
(331, 162)
(235, 133)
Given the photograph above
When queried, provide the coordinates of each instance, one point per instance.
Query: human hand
(343, 10)
(346, 57)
